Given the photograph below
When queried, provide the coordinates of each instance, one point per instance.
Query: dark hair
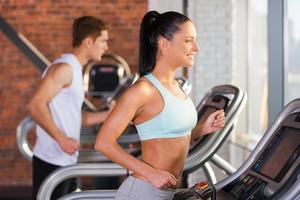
(86, 26)
(153, 26)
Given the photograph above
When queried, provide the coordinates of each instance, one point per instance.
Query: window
(251, 68)
(291, 50)
(257, 66)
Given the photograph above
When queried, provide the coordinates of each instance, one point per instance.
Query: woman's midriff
(168, 154)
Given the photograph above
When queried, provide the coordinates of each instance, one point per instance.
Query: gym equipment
(228, 97)
(202, 190)
(101, 79)
(185, 85)
(272, 171)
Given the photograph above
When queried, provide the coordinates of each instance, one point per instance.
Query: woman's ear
(163, 44)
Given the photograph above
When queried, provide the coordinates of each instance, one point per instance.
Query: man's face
(99, 46)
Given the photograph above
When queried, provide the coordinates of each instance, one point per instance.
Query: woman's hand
(214, 122)
(161, 179)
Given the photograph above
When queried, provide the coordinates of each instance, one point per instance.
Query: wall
(47, 24)
(165, 6)
(214, 62)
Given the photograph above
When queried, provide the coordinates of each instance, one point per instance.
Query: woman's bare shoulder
(138, 93)
(141, 88)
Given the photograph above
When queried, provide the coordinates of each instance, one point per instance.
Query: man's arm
(57, 77)
(93, 118)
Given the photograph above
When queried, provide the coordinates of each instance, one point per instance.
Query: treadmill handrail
(91, 169)
(90, 194)
(195, 159)
(292, 193)
(291, 108)
(23, 130)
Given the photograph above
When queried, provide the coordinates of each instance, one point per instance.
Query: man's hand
(68, 145)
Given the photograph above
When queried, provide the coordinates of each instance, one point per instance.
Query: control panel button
(202, 185)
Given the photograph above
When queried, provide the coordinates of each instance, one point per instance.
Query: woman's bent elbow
(100, 146)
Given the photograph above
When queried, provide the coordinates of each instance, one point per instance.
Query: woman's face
(183, 47)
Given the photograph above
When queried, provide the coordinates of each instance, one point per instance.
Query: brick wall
(47, 24)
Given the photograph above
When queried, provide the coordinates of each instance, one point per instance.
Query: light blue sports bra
(177, 118)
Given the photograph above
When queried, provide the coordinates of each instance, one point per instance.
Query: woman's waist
(171, 165)
(142, 181)
(142, 178)
(162, 146)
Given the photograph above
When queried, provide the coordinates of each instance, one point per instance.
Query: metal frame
(24, 127)
(23, 130)
(112, 59)
(59, 175)
(292, 107)
(213, 144)
(275, 57)
(222, 164)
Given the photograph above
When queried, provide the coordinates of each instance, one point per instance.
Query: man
(56, 105)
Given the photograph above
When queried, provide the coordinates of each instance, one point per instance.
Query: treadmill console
(284, 150)
(276, 166)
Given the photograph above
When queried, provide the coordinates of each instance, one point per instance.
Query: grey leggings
(136, 189)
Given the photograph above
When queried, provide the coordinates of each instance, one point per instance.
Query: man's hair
(87, 26)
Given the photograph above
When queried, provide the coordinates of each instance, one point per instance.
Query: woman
(163, 114)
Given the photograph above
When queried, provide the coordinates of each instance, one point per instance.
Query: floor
(15, 193)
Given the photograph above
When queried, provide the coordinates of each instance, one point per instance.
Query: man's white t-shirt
(65, 110)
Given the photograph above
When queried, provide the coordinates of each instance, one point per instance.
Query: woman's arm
(94, 118)
(214, 122)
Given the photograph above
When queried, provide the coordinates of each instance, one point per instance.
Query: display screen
(280, 154)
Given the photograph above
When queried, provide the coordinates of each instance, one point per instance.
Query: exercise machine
(227, 97)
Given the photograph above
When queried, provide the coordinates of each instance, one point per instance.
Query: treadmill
(273, 169)
(203, 150)
(270, 173)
